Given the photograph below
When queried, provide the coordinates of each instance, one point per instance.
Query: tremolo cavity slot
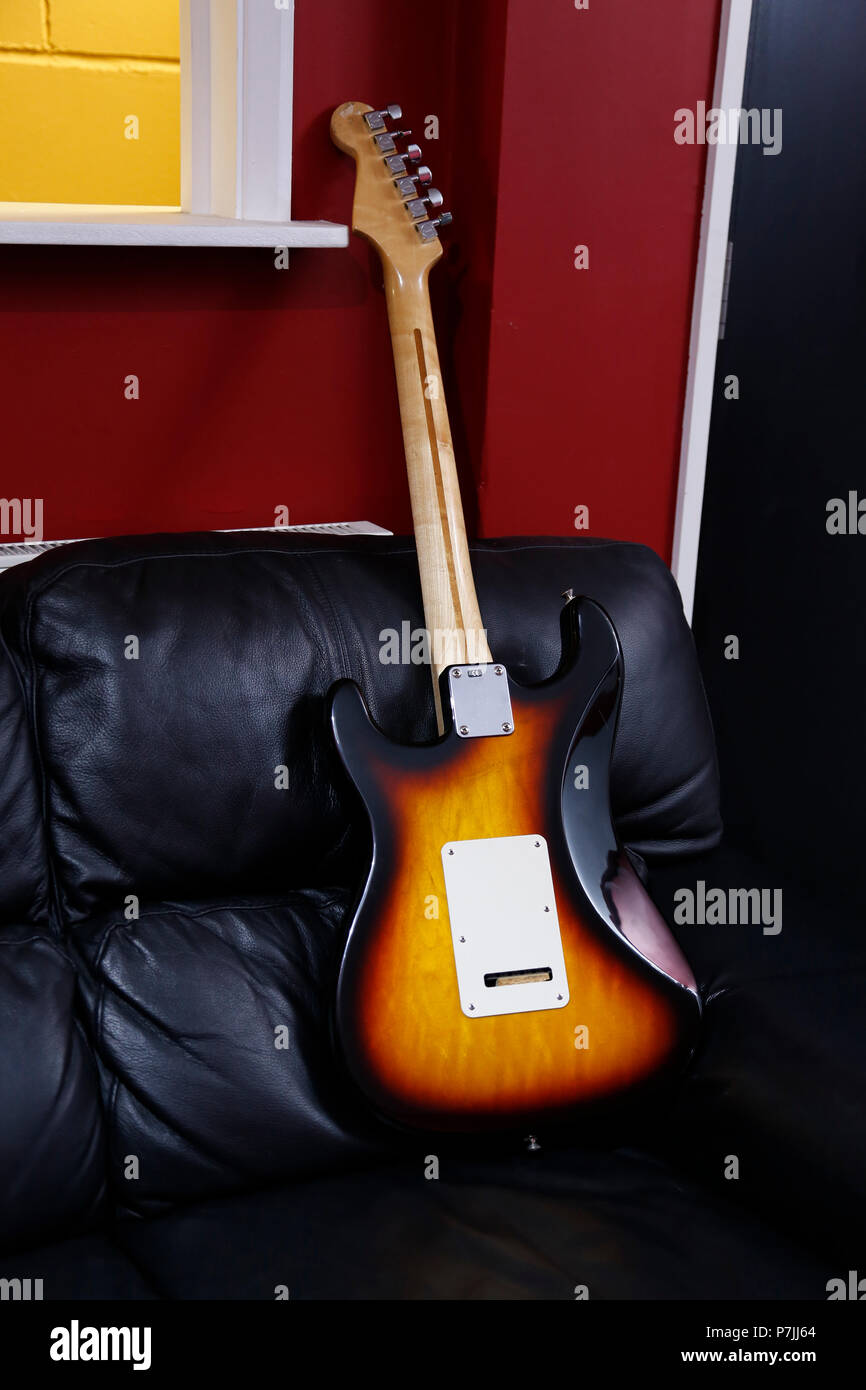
(538, 976)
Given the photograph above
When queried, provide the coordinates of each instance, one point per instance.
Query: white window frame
(236, 59)
(707, 306)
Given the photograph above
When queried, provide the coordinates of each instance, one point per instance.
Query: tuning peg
(414, 153)
(386, 140)
(417, 207)
(423, 175)
(407, 189)
(427, 229)
(376, 119)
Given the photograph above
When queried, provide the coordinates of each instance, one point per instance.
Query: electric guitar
(505, 964)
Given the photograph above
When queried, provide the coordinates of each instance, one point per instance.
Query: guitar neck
(451, 612)
(390, 212)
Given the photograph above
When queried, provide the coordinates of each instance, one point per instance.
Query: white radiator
(16, 552)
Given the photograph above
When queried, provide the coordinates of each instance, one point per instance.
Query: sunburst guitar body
(505, 965)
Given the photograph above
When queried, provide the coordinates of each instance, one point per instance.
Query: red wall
(262, 388)
(587, 369)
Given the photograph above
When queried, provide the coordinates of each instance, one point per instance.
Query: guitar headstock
(396, 206)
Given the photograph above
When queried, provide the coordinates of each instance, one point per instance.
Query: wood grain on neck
(451, 611)
(451, 615)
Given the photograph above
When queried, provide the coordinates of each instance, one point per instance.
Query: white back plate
(504, 924)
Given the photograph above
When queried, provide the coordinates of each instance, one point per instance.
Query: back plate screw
(464, 728)
(506, 728)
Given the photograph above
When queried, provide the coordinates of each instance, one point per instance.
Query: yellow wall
(71, 72)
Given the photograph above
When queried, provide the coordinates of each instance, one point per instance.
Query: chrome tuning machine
(417, 207)
(407, 187)
(387, 142)
(396, 163)
(376, 119)
(428, 230)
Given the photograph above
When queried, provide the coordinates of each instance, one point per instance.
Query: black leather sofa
(166, 907)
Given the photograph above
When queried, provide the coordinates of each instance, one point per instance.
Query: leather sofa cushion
(91, 1267)
(52, 1168)
(211, 1026)
(623, 1225)
(23, 855)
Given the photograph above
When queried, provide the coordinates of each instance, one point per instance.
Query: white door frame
(707, 305)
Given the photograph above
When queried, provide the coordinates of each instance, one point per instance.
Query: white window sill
(82, 224)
